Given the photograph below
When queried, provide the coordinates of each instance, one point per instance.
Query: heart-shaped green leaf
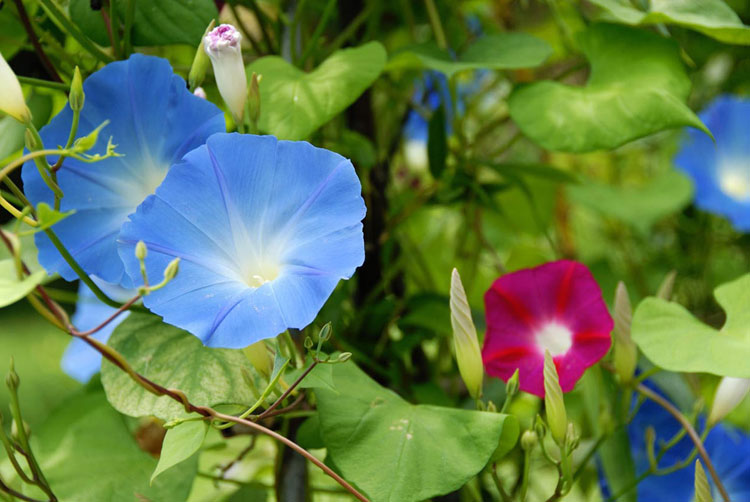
(637, 87)
(175, 359)
(675, 340)
(159, 22)
(180, 443)
(11, 288)
(397, 451)
(88, 454)
(502, 51)
(640, 206)
(293, 103)
(711, 17)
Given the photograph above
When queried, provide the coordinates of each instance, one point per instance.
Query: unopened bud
(557, 418)
(12, 380)
(345, 356)
(253, 98)
(491, 407)
(200, 92)
(12, 101)
(87, 142)
(730, 392)
(31, 141)
(572, 438)
(141, 250)
(540, 427)
(200, 63)
(625, 351)
(667, 285)
(222, 44)
(325, 332)
(308, 343)
(468, 355)
(702, 488)
(76, 97)
(529, 440)
(511, 387)
(171, 271)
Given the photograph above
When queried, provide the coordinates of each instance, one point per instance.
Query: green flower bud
(625, 351)
(345, 356)
(171, 271)
(253, 97)
(201, 62)
(529, 440)
(325, 332)
(308, 343)
(557, 418)
(12, 380)
(511, 387)
(31, 141)
(141, 250)
(572, 438)
(76, 97)
(702, 488)
(468, 355)
(87, 142)
(667, 285)
(540, 427)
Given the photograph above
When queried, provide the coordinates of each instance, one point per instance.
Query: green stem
(57, 15)
(78, 270)
(114, 26)
(437, 26)
(48, 84)
(127, 33)
(295, 28)
(351, 29)
(310, 45)
(499, 484)
(525, 475)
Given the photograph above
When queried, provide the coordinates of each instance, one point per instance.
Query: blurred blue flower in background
(721, 171)
(79, 360)
(265, 229)
(154, 120)
(727, 447)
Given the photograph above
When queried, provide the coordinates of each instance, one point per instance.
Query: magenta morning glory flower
(265, 229)
(558, 307)
(154, 120)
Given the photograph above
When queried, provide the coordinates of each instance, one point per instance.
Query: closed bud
(529, 440)
(253, 98)
(12, 380)
(540, 427)
(171, 271)
(511, 387)
(200, 63)
(325, 332)
(730, 392)
(31, 141)
(200, 92)
(76, 97)
(667, 285)
(259, 357)
(491, 407)
(557, 419)
(572, 438)
(87, 142)
(465, 342)
(12, 101)
(308, 343)
(702, 488)
(222, 44)
(141, 250)
(345, 356)
(625, 351)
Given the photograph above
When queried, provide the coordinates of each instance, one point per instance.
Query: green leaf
(320, 376)
(180, 443)
(12, 34)
(640, 206)
(711, 17)
(293, 104)
(501, 51)
(155, 23)
(11, 288)
(437, 143)
(675, 340)
(175, 359)
(396, 451)
(637, 87)
(545, 171)
(46, 216)
(88, 454)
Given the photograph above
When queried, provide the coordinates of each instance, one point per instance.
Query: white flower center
(734, 181)
(261, 272)
(554, 337)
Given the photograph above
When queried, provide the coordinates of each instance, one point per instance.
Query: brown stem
(288, 391)
(274, 413)
(35, 41)
(690, 432)
(125, 306)
(10, 491)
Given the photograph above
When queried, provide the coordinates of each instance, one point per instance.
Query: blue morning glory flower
(264, 229)
(721, 171)
(727, 447)
(154, 120)
(79, 360)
